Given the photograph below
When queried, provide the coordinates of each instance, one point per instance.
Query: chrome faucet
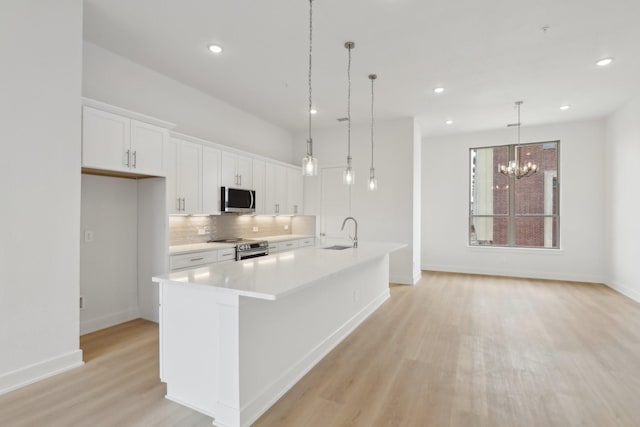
(355, 238)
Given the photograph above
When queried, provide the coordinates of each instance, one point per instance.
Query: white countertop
(200, 247)
(275, 276)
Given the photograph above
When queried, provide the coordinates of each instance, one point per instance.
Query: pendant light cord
(349, 108)
(372, 77)
(309, 142)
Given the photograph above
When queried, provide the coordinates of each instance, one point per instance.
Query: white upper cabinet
(275, 189)
(147, 148)
(294, 191)
(259, 185)
(236, 171)
(105, 140)
(184, 177)
(118, 143)
(210, 181)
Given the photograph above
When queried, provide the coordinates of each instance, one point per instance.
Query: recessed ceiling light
(565, 107)
(448, 122)
(215, 48)
(604, 62)
(313, 111)
(438, 90)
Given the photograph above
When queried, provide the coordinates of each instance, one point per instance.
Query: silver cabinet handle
(236, 181)
(178, 204)
(128, 158)
(197, 259)
(240, 177)
(295, 209)
(135, 158)
(323, 234)
(184, 204)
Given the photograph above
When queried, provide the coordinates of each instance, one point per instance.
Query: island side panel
(280, 341)
(190, 320)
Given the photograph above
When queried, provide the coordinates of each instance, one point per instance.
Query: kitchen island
(235, 337)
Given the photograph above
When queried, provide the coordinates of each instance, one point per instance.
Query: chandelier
(514, 168)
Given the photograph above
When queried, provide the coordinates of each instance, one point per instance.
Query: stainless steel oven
(246, 250)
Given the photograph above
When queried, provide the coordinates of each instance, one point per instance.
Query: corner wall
(387, 214)
(445, 206)
(40, 188)
(623, 201)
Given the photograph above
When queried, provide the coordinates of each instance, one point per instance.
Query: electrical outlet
(286, 226)
(202, 231)
(255, 229)
(81, 302)
(88, 236)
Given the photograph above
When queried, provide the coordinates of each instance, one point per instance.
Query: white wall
(623, 223)
(384, 215)
(40, 80)
(110, 78)
(445, 206)
(108, 264)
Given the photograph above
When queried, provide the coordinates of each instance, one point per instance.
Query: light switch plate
(88, 236)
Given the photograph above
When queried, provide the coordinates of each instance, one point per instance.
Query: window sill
(505, 249)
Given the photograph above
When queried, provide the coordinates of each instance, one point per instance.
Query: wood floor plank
(455, 350)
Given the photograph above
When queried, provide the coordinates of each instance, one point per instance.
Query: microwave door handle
(251, 205)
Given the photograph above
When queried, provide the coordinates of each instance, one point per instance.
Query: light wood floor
(455, 350)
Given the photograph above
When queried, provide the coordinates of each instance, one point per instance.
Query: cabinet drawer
(193, 259)
(227, 255)
(288, 245)
(306, 242)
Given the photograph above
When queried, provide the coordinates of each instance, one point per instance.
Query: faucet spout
(355, 238)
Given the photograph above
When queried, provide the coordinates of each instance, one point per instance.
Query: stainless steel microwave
(238, 200)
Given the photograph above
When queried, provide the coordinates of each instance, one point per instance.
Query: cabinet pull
(197, 259)
(295, 209)
(128, 158)
(178, 204)
(184, 204)
(240, 178)
(135, 158)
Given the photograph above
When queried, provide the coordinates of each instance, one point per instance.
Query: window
(515, 212)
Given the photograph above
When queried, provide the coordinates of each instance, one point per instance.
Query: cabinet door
(294, 192)
(171, 156)
(105, 140)
(190, 177)
(245, 172)
(210, 181)
(259, 185)
(147, 148)
(275, 189)
(229, 170)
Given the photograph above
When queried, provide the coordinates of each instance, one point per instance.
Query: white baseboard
(401, 280)
(274, 391)
(39, 371)
(625, 290)
(188, 405)
(514, 273)
(92, 325)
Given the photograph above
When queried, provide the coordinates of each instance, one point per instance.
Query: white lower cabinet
(194, 259)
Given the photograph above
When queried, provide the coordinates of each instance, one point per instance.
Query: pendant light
(514, 168)
(348, 178)
(310, 163)
(373, 182)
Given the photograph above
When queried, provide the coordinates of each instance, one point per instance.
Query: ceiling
(486, 54)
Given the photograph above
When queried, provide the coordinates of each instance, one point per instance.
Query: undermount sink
(337, 247)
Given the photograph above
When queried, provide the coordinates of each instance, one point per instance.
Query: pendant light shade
(310, 163)
(373, 182)
(348, 177)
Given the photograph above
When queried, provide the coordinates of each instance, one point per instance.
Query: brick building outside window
(512, 212)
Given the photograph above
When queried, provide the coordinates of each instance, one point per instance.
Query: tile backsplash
(183, 230)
